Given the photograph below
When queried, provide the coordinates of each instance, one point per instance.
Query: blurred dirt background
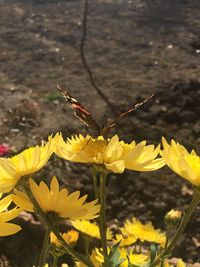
(134, 48)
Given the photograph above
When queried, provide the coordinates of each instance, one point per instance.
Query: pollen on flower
(77, 143)
(94, 148)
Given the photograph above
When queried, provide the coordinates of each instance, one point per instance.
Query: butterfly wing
(80, 112)
(123, 114)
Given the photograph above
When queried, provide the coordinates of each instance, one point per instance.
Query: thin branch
(84, 60)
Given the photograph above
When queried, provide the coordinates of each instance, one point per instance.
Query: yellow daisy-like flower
(97, 258)
(135, 259)
(52, 199)
(165, 264)
(7, 215)
(62, 265)
(25, 163)
(144, 232)
(113, 154)
(173, 218)
(185, 164)
(89, 228)
(70, 238)
(125, 241)
(180, 263)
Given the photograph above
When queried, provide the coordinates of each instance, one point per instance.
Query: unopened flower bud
(69, 237)
(173, 218)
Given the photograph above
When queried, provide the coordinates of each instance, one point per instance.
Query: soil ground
(134, 48)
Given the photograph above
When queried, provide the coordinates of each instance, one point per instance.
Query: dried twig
(84, 60)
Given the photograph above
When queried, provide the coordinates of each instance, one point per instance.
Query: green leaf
(113, 259)
(53, 96)
(153, 252)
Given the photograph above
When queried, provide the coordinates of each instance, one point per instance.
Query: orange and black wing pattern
(80, 112)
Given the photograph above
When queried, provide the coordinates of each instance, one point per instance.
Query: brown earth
(134, 48)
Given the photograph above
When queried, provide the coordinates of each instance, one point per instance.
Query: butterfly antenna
(60, 89)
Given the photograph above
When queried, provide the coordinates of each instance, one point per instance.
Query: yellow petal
(22, 201)
(9, 215)
(116, 167)
(5, 202)
(9, 229)
(113, 150)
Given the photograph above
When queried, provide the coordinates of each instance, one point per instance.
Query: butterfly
(86, 117)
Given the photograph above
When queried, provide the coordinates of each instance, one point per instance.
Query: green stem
(87, 245)
(44, 251)
(195, 201)
(102, 219)
(68, 249)
(55, 261)
(94, 177)
(140, 248)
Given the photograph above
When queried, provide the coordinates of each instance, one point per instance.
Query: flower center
(95, 149)
(76, 144)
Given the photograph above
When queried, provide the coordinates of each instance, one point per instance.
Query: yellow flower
(70, 238)
(165, 264)
(113, 154)
(62, 265)
(25, 163)
(180, 263)
(89, 228)
(125, 240)
(7, 215)
(144, 232)
(173, 218)
(135, 259)
(96, 258)
(65, 205)
(185, 164)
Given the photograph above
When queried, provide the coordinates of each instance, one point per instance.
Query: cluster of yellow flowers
(132, 232)
(134, 259)
(142, 232)
(107, 155)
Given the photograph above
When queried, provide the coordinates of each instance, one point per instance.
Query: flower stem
(44, 251)
(94, 177)
(195, 201)
(68, 249)
(55, 261)
(102, 219)
(87, 245)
